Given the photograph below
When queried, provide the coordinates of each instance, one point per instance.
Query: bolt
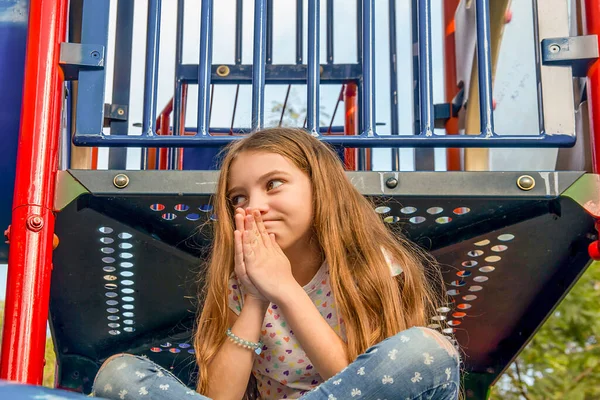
(526, 182)
(121, 181)
(95, 54)
(391, 183)
(223, 70)
(554, 48)
(35, 223)
(120, 111)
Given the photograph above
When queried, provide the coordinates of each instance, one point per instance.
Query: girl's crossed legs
(418, 363)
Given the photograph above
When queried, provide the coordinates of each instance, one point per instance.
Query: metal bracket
(115, 112)
(76, 56)
(579, 52)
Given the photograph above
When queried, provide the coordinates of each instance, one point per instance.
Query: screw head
(121, 181)
(120, 111)
(526, 182)
(223, 70)
(391, 183)
(95, 54)
(35, 223)
(554, 48)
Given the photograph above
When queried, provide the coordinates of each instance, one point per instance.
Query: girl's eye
(237, 200)
(274, 184)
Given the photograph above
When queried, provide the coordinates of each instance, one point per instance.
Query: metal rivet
(35, 223)
(554, 48)
(223, 70)
(526, 182)
(120, 111)
(391, 183)
(121, 181)
(95, 54)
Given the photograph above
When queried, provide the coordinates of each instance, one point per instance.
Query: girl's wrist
(252, 301)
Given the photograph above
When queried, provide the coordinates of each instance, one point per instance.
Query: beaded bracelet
(257, 347)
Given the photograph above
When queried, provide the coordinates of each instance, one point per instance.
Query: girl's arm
(229, 372)
(325, 349)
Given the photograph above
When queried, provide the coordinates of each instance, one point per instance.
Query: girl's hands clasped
(260, 264)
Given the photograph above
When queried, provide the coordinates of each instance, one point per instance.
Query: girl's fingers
(248, 252)
(261, 228)
(252, 229)
(239, 219)
(239, 248)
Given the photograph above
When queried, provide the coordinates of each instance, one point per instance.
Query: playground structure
(123, 276)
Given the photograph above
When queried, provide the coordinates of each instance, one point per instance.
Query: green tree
(562, 361)
(294, 115)
(50, 355)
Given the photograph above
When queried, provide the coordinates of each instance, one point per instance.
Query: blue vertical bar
(239, 17)
(427, 117)
(368, 61)
(329, 31)
(90, 104)
(361, 153)
(121, 84)
(204, 67)
(151, 78)
(269, 31)
(393, 82)
(484, 72)
(177, 100)
(312, 118)
(258, 67)
(299, 31)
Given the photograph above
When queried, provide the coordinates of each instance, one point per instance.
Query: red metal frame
(32, 228)
(592, 27)
(453, 158)
(350, 122)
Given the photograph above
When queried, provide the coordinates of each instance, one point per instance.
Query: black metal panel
(169, 218)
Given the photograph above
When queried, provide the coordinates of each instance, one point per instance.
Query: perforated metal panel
(128, 269)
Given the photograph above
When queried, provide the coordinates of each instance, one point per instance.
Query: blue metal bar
(299, 31)
(90, 101)
(312, 118)
(368, 60)
(269, 31)
(484, 71)
(151, 78)
(177, 98)
(393, 82)
(204, 67)
(427, 116)
(121, 84)
(239, 17)
(258, 70)
(363, 141)
(274, 73)
(329, 31)
(241, 131)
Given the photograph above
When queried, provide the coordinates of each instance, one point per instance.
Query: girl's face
(281, 192)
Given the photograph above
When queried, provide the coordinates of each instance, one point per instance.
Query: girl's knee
(118, 371)
(423, 340)
(426, 355)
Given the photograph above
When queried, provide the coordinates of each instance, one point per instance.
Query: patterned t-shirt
(282, 370)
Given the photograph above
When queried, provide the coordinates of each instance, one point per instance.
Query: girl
(309, 294)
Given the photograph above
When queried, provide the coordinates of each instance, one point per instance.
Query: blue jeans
(418, 363)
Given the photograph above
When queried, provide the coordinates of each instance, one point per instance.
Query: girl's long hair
(351, 235)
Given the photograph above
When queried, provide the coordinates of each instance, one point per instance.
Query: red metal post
(453, 162)
(592, 27)
(350, 123)
(32, 228)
